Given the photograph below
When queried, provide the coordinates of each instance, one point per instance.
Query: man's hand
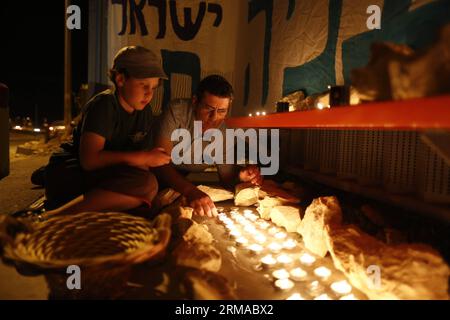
(252, 174)
(154, 158)
(201, 203)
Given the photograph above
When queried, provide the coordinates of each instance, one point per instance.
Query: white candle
(307, 259)
(284, 284)
(235, 233)
(275, 247)
(241, 241)
(280, 235)
(250, 229)
(322, 272)
(341, 287)
(284, 258)
(298, 274)
(260, 238)
(273, 230)
(255, 248)
(280, 274)
(268, 260)
(323, 297)
(290, 244)
(295, 296)
(263, 224)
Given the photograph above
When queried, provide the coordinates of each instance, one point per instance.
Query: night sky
(32, 56)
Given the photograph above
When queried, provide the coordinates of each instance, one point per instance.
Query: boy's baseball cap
(139, 62)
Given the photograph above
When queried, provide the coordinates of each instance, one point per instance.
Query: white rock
(322, 212)
(216, 194)
(286, 216)
(406, 271)
(246, 194)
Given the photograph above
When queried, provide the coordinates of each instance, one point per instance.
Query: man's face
(211, 110)
(137, 93)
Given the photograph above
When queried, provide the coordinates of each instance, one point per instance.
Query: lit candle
(250, 115)
(280, 274)
(322, 272)
(250, 229)
(235, 234)
(315, 288)
(284, 284)
(263, 224)
(255, 248)
(284, 259)
(290, 244)
(280, 235)
(248, 211)
(275, 247)
(307, 259)
(241, 241)
(349, 297)
(260, 238)
(295, 296)
(298, 274)
(268, 260)
(273, 230)
(264, 113)
(257, 113)
(323, 297)
(341, 287)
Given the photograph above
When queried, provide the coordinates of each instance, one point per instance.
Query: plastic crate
(433, 176)
(399, 161)
(329, 143)
(312, 150)
(348, 154)
(369, 166)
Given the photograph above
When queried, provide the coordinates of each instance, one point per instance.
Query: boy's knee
(149, 185)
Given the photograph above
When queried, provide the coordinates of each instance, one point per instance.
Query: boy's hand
(157, 157)
(154, 158)
(201, 203)
(252, 174)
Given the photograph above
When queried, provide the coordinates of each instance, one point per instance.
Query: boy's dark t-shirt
(122, 131)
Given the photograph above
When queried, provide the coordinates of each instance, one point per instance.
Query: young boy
(114, 140)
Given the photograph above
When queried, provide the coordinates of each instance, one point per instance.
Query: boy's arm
(198, 200)
(93, 156)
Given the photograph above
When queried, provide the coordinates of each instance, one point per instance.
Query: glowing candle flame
(298, 273)
(273, 230)
(284, 284)
(295, 296)
(260, 238)
(290, 244)
(280, 274)
(349, 297)
(275, 247)
(268, 260)
(307, 259)
(322, 272)
(323, 297)
(241, 240)
(280, 235)
(341, 287)
(284, 258)
(255, 248)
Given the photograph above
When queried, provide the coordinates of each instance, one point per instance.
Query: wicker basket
(103, 245)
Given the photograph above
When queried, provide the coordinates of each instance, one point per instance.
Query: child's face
(137, 93)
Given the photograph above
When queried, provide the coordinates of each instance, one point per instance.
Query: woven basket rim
(135, 256)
